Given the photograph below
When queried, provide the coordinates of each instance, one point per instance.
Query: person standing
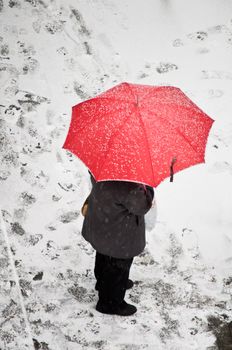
(115, 227)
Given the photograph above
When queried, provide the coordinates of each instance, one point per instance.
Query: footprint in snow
(69, 216)
(165, 67)
(55, 26)
(14, 3)
(25, 50)
(26, 199)
(81, 294)
(216, 74)
(198, 36)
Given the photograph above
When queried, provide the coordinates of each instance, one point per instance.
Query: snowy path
(54, 54)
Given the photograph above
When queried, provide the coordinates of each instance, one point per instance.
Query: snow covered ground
(54, 54)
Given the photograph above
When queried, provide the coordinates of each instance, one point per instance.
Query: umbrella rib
(188, 108)
(131, 91)
(179, 132)
(148, 147)
(142, 123)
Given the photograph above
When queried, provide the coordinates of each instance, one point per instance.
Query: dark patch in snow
(33, 3)
(38, 276)
(12, 283)
(30, 66)
(27, 198)
(43, 3)
(17, 228)
(21, 122)
(81, 294)
(4, 50)
(9, 156)
(51, 228)
(34, 239)
(10, 68)
(55, 26)
(6, 216)
(10, 310)
(171, 327)
(145, 259)
(13, 110)
(40, 345)
(51, 250)
(228, 281)
(97, 344)
(14, 3)
(82, 313)
(1, 5)
(7, 337)
(4, 58)
(143, 75)
(26, 150)
(30, 101)
(33, 307)
(87, 48)
(49, 307)
(17, 263)
(94, 328)
(69, 216)
(26, 287)
(77, 338)
(227, 285)
(39, 180)
(78, 88)
(133, 346)
(56, 198)
(216, 29)
(26, 50)
(166, 67)
(198, 36)
(229, 40)
(76, 277)
(82, 26)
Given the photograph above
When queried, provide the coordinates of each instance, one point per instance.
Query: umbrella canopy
(138, 133)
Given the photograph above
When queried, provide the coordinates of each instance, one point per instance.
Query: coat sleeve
(139, 199)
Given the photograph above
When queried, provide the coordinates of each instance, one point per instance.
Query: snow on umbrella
(138, 133)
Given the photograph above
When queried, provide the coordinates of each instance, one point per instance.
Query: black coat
(114, 223)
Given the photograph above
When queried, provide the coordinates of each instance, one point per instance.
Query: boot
(122, 309)
(129, 285)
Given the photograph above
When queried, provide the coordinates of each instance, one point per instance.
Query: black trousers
(112, 275)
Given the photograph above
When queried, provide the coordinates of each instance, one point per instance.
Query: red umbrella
(138, 133)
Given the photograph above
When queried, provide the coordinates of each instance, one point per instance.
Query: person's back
(114, 225)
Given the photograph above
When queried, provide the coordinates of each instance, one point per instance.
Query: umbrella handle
(174, 159)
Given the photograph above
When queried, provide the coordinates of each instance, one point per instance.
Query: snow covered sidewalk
(54, 54)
